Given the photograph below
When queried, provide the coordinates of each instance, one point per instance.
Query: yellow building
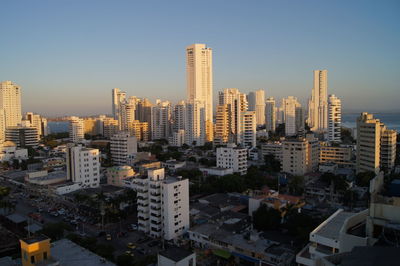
(222, 125)
(335, 154)
(35, 250)
(90, 126)
(140, 130)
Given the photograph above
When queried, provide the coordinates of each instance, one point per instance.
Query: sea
(57, 126)
(391, 120)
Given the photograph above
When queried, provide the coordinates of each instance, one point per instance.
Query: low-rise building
(232, 157)
(340, 155)
(272, 148)
(173, 165)
(300, 156)
(9, 151)
(176, 256)
(23, 136)
(116, 175)
(217, 171)
(122, 146)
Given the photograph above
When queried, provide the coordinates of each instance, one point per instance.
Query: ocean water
(58, 126)
(391, 120)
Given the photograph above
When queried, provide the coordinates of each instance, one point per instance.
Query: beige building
(376, 145)
(272, 148)
(318, 104)
(300, 156)
(140, 130)
(340, 155)
(292, 115)
(76, 129)
(90, 126)
(110, 127)
(248, 129)
(116, 175)
(221, 135)
(200, 81)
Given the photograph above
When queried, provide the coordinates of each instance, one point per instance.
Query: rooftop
(331, 227)
(35, 239)
(70, 254)
(176, 254)
(16, 218)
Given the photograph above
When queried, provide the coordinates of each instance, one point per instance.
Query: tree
(265, 218)
(124, 260)
(55, 231)
(296, 185)
(16, 164)
(272, 164)
(363, 178)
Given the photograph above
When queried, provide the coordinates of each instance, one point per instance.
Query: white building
(318, 104)
(248, 129)
(200, 81)
(256, 101)
(160, 120)
(118, 97)
(83, 166)
(122, 146)
(176, 256)
(76, 129)
(178, 138)
(38, 122)
(292, 115)
(270, 114)
(195, 124)
(179, 116)
(232, 157)
(9, 152)
(163, 204)
(334, 118)
(127, 113)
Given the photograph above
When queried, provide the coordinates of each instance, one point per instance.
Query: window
(32, 259)
(45, 255)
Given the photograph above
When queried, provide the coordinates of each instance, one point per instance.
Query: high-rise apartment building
(293, 115)
(232, 157)
(376, 145)
(40, 123)
(162, 204)
(10, 103)
(237, 104)
(200, 81)
(127, 114)
(122, 146)
(179, 116)
(256, 101)
(300, 156)
(76, 129)
(140, 130)
(195, 124)
(178, 138)
(318, 104)
(222, 126)
(83, 166)
(161, 120)
(270, 114)
(118, 97)
(110, 127)
(248, 129)
(23, 136)
(334, 118)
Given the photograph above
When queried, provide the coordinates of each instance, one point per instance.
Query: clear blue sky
(68, 55)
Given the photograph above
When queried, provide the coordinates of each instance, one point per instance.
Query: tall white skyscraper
(334, 118)
(270, 114)
(256, 101)
(10, 103)
(318, 104)
(290, 105)
(200, 81)
(118, 97)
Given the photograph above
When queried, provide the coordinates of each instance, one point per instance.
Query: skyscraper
(256, 101)
(200, 81)
(221, 136)
(10, 102)
(291, 108)
(76, 129)
(334, 118)
(195, 128)
(237, 104)
(118, 97)
(160, 120)
(270, 114)
(318, 104)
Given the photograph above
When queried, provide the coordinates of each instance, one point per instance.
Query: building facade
(122, 145)
(232, 157)
(334, 118)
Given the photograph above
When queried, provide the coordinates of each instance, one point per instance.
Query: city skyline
(278, 49)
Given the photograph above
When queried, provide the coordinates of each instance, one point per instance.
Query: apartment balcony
(153, 222)
(142, 190)
(156, 201)
(156, 220)
(142, 208)
(155, 208)
(156, 187)
(155, 194)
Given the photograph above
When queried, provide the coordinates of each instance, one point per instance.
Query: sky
(67, 55)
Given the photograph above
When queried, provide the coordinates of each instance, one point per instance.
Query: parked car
(131, 245)
(108, 237)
